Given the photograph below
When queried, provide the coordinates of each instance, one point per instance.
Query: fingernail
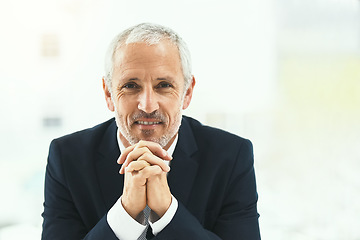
(119, 160)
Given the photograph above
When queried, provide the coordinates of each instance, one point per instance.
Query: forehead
(163, 55)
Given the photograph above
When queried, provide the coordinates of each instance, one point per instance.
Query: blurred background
(283, 73)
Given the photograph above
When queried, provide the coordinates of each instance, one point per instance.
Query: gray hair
(150, 34)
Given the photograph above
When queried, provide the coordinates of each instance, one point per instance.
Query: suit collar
(107, 169)
(184, 165)
(108, 144)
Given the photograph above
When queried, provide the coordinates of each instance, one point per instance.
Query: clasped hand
(145, 178)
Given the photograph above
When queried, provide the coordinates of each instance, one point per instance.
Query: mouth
(146, 123)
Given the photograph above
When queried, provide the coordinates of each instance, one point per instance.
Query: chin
(162, 141)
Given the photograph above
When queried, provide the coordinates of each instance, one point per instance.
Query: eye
(164, 85)
(130, 85)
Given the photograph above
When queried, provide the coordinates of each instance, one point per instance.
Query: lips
(147, 122)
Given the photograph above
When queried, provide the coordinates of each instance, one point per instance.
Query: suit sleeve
(237, 217)
(61, 218)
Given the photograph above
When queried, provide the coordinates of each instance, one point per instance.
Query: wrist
(161, 209)
(130, 209)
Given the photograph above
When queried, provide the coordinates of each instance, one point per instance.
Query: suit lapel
(184, 165)
(107, 169)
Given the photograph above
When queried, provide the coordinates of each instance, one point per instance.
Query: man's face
(148, 92)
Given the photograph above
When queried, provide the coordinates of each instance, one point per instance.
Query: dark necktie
(146, 212)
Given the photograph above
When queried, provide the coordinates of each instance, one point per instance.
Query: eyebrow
(170, 79)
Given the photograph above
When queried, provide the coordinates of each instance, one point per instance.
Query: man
(210, 191)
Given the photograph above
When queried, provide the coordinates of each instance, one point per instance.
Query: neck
(170, 142)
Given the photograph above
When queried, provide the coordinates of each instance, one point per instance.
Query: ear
(109, 102)
(188, 94)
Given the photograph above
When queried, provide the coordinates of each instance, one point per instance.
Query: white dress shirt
(127, 228)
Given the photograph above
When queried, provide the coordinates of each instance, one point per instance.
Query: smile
(147, 123)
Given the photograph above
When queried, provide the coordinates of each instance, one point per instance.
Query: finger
(133, 152)
(137, 165)
(149, 171)
(140, 178)
(155, 160)
(133, 156)
(124, 154)
(146, 156)
(155, 148)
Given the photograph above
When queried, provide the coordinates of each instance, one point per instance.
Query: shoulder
(84, 140)
(87, 134)
(211, 136)
(221, 154)
(217, 148)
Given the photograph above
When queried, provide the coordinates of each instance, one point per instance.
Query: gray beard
(162, 141)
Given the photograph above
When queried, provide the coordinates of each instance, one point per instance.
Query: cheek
(124, 107)
(124, 100)
(172, 108)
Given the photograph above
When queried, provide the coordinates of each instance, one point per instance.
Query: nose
(148, 101)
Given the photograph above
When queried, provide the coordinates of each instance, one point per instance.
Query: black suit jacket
(212, 177)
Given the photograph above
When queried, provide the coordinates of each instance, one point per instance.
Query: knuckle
(131, 164)
(142, 163)
(157, 169)
(129, 157)
(147, 155)
(141, 143)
